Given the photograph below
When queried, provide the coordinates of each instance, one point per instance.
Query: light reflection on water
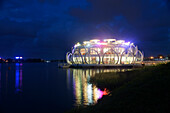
(41, 87)
(0, 83)
(0, 76)
(18, 77)
(86, 93)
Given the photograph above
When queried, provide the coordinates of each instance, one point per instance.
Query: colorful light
(101, 93)
(102, 43)
(96, 48)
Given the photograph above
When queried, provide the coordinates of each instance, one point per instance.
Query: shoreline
(137, 91)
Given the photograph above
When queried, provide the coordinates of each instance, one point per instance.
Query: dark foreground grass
(144, 90)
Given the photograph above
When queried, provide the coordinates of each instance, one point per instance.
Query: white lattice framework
(109, 51)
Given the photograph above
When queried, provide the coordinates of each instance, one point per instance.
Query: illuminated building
(108, 51)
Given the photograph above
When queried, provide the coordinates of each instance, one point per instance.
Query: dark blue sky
(49, 28)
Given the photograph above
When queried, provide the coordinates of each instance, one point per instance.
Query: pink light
(101, 93)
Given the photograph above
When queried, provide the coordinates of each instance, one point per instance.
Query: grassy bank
(139, 91)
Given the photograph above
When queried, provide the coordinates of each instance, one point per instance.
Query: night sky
(49, 28)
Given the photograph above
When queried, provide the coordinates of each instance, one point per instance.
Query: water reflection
(0, 82)
(0, 76)
(18, 77)
(86, 93)
(68, 79)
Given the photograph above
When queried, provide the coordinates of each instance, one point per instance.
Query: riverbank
(143, 90)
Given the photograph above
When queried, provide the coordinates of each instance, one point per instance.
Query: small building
(108, 51)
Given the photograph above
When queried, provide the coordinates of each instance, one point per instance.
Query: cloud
(145, 22)
(36, 26)
(49, 28)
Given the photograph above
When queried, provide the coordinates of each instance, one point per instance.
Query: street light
(151, 57)
(160, 57)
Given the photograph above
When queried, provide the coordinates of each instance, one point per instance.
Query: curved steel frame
(81, 59)
(126, 55)
(89, 58)
(77, 58)
(111, 51)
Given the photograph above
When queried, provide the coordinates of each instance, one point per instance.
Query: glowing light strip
(120, 41)
(101, 43)
(86, 42)
(94, 40)
(127, 43)
(109, 40)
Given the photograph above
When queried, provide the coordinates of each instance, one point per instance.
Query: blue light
(16, 57)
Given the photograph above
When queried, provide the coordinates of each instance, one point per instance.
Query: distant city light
(47, 61)
(161, 57)
(151, 57)
(17, 58)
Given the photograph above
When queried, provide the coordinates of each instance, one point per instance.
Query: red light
(101, 93)
(105, 92)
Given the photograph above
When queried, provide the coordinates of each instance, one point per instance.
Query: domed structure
(108, 51)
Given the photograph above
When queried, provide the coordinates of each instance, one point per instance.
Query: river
(42, 87)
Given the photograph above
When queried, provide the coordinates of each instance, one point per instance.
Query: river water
(42, 87)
